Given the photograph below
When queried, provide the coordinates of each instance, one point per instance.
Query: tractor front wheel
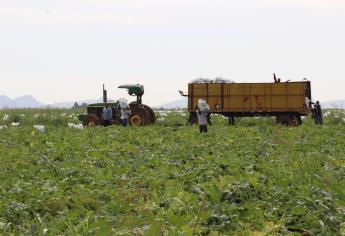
(91, 120)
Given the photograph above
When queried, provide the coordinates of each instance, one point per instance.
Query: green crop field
(256, 178)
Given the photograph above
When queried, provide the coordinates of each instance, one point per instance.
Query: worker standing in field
(318, 113)
(107, 116)
(125, 112)
(203, 111)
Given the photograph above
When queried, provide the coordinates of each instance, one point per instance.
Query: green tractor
(140, 114)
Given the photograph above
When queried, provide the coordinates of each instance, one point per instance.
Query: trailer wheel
(289, 120)
(231, 120)
(91, 120)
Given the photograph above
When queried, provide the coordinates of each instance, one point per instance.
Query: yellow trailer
(285, 100)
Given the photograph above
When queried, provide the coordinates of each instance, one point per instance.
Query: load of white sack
(201, 81)
(123, 103)
(203, 106)
(217, 80)
(220, 80)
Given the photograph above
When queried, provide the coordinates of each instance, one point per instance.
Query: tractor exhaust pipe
(105, 95)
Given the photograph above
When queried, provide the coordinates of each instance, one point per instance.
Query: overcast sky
(63, 50)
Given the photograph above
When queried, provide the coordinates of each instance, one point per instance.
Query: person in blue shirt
(318, 113)
(107, 116)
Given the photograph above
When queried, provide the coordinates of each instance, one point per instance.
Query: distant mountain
(26, 101)
(181, 103)
(29, 101)
(6, 102)
(338, 104)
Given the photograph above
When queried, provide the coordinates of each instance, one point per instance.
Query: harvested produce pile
(215, 80)
(257, 178)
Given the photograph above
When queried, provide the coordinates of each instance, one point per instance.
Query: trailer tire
(231, 120)
(289, 120)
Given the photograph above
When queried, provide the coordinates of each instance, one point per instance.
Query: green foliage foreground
(257, 178)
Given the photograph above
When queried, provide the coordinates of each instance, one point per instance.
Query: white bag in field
(75, 126)
(14, 124)
(40, 128)
(6, 117)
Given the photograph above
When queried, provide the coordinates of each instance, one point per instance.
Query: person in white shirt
(203, 111)
(125, 112)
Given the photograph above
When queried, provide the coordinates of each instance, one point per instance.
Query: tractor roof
(134, 89)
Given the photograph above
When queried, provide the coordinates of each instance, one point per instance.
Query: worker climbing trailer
(286, 101)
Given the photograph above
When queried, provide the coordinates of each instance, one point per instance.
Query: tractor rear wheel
(139, 116)
(151, 118)
(91, 120)
(151, 113)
